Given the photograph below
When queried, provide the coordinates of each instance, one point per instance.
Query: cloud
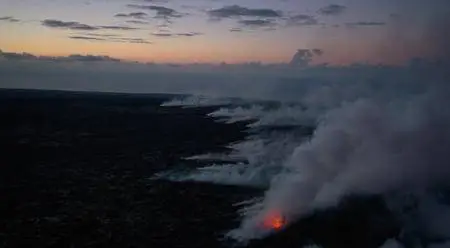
(317, 52)
(163, 34)
(332, 9)
(268, 18)
(238, 11)
(199, 8)
(161, 12)
(169, 34)
(235, 29)
(111, 39)
(190, 34)
(51, 23)
(90, 58)
(362, 23)
(187, 78)
(68, 25)
(70, 58)
(303, 57)
(118, 27)
(131, 40)
(101, 35)
(9, 19)
(16, 56)
(137, 22)
(301, 20)
(137, 15)
(156, 1)
(257, 23)
(86, 38)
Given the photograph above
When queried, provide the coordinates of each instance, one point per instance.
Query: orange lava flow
(274, 221)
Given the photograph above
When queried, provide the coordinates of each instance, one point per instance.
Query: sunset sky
(212, 31)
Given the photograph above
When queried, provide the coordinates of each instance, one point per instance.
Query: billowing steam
(363, 147)
(386, 133)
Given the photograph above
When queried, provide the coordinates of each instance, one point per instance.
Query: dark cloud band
(161, 11)
(301, 20)
(51, 23)
(356, 24)
(9, 19)
(238, 11)
(137, 15)
(257, 23)
(88, 37)
(332, 9)
(70, 58)
(168, 34)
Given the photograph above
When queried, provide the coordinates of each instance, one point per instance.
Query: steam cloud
(380, 131)
(375, 143)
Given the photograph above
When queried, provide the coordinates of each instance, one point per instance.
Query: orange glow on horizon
(162, 51)
(201, 51)
(195, 54)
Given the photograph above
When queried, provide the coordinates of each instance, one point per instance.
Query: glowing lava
(274, 221)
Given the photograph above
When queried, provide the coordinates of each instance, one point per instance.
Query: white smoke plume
(379, 130)
(375, 144)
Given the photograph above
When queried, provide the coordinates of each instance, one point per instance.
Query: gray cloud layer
(68, 25)
(169, 34)
(51, 23)
(238, 11)
(302, 20)
(304, 56)
(362, 23)
(332, 9)
(137, 15)
(257, 23)
(118, 27)
(235, 30)
(73, 57)
(270, 17)
(156, 1)
(137, 22)
(86, 38)
(110, 39)
(161, 11)
(9, 19)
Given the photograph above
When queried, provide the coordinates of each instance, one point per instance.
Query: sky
(231, 31)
